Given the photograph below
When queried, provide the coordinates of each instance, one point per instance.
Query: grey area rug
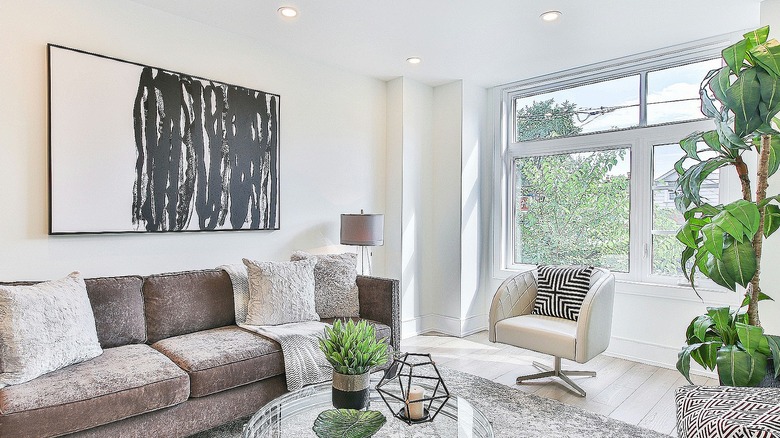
(512, 413)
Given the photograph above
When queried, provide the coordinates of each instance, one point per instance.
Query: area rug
(512, 413)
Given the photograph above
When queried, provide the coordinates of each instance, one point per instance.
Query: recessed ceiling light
(288, 11)
(550, 15)
(414, 60)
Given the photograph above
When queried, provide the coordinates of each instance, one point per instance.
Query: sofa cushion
(44, 327)
(335, 287)
(119, 310)
(280, 292)
(187, 302)
(223, 358)
(122, 382)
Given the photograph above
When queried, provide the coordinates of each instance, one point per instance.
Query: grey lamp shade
(362, 229)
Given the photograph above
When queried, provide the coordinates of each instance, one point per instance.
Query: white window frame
(640, 141)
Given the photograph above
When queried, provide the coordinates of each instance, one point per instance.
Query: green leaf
(771, 219)
(689, 144)
(690, 182)
(701, 325)
(348, 423)
(756, 37)
(767, 55)
(774, 347)
(713, 239)
(717, 272)
(708, 107)
(740, 368)
(742, 99)
(720, 83)
(750, 336)
(774, 154)
(687, 236)
(770, 96)
(746, 213)
(734, 55)
(712, 139)
(684, 360)
(721, 317)
(728, 222)
(708, 353)
(739, 260)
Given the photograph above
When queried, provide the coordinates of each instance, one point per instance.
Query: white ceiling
(487, 42)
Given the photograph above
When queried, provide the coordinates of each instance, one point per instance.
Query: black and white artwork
(135, 148)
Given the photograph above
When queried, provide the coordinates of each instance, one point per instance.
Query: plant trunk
(744, 178)
(761, 184)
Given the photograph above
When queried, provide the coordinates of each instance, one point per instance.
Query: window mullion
(643, 98)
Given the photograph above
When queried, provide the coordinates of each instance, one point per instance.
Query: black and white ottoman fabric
(727, 412)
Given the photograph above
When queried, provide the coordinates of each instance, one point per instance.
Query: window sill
(678, 292)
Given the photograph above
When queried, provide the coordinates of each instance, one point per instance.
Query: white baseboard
(650, 353)
(447, 325)
(474, 324)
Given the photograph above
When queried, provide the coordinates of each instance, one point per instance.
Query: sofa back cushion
(118, 307)
(119, 310)
(185, 302)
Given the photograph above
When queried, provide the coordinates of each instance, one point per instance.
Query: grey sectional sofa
(174, 362)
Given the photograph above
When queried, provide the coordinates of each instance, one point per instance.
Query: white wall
(442, 304)
(474, 139)
(332, 139)
(409, 158)
(769, 311)
(434, 146)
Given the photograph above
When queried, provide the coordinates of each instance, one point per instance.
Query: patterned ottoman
(727, 412)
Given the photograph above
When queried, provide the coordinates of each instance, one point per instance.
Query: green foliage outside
(546, 119)
(570, 209)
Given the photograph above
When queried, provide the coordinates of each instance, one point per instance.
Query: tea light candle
(416, 411)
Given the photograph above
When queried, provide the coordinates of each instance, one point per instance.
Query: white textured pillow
(335, 284)
(280, 292)
(45, 327)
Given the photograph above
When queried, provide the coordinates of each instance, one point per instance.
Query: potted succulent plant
(353, 350)
(724, 242)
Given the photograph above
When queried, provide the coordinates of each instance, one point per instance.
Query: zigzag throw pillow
(561, 290)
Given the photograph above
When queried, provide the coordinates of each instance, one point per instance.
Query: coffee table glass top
(293, 415)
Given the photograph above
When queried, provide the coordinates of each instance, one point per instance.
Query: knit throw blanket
(304, 362)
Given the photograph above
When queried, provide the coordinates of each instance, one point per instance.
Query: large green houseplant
(724, 242)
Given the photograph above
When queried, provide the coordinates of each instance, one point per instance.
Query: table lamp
(363, 230)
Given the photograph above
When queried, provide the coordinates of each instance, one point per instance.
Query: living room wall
(332, 140)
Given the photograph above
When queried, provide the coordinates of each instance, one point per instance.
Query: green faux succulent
(353, 348)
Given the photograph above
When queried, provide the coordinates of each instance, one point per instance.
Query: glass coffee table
(293, 415)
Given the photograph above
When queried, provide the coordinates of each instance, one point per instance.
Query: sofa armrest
(380, 301)
(594, 324)
(514, 297)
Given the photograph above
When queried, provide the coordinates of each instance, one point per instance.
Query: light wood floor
(629, 391)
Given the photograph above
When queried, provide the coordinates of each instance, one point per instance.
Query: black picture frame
(140, 149)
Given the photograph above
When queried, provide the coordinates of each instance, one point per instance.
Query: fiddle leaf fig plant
(724, 242)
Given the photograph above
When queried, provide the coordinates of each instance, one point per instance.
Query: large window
(560, 201)
(588, 167)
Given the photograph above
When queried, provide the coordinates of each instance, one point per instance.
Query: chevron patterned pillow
(561, 290)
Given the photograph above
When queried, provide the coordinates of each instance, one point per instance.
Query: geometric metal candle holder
(398, 379)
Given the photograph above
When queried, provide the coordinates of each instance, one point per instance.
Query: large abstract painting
(135, 148)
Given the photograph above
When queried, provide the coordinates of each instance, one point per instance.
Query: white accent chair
(511, 322)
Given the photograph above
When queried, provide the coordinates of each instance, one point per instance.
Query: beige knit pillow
(280, 292)
(45, 327)
(335, 284)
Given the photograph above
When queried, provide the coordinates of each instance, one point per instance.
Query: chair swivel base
(558, 372)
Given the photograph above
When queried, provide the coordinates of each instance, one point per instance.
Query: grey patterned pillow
(280, 292)
(335, 284)
(45, 327)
